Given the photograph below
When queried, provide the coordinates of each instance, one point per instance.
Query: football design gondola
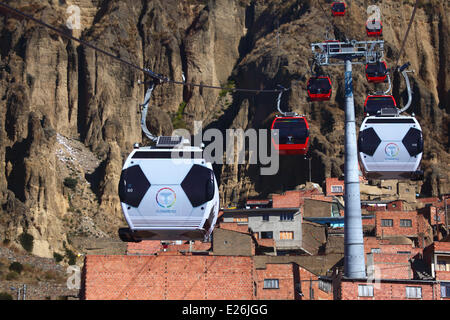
(390, 147)
(168, 194)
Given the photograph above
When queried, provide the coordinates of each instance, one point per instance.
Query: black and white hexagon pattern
(161, 195)
(391, 146)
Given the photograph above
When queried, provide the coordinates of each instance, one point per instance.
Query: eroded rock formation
(57, 95)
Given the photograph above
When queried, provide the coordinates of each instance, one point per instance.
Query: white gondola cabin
(168, 194)
(390, 147)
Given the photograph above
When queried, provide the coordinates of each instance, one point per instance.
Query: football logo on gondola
(166, 198)
(392, 150)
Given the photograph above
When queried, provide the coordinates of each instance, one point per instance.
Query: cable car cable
(328, 18)
(407, 32)
(149, 72)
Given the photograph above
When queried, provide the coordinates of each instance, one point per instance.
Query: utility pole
(347, 54)
(309, 166)
(446, 216)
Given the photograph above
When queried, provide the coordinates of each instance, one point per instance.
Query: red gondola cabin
(338, 8)
(375, 103)
(376, 72)
(374, 28)
(319, 88)
(293, 135)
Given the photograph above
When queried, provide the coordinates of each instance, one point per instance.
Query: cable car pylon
(349, 53)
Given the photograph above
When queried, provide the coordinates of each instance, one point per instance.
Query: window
(265, 217)
(365, 290)
(286, 217)
(324, 286)
(405, 223)
(445, 290)
(267, 235)
(414, 292)
(286, 235)
(271, 284)
(403, 252)
(337, 189)
(387, 222)
(240, 219)
(375, 250)
(442, 265)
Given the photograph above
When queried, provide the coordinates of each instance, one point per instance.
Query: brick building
(423, 274)
(437, 256)
(334, 187)
(190, 277)
(286, 248)
(167, 277)
(391, 245)
(359, 289)
(392, 223)
(283, 225)
(388, 266)
(232, 242)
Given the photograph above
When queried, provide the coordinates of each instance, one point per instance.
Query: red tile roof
(266, 242)
(294, 198)
(234, 226)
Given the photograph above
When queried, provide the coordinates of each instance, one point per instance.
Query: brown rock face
(69, 115)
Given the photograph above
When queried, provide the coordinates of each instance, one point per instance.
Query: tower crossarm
(336, 53)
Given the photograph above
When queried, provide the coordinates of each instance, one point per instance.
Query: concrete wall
(317, 208)
(227, 243)
(257, 224)
(407, 191)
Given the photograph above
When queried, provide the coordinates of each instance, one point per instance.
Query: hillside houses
(289, 247)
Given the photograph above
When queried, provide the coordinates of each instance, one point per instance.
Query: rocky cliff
(69, 115)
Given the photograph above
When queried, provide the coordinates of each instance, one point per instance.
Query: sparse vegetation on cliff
(26, 240)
